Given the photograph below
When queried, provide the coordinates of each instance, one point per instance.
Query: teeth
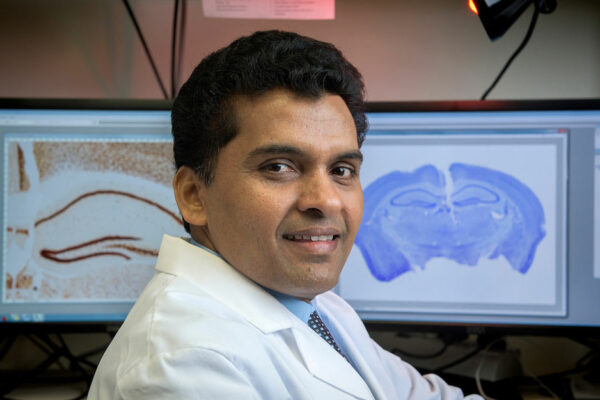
(321, 238)
(315, 238)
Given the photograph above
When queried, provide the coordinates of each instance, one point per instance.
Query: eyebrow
(285, 149)
(276, 149)
(352, 155)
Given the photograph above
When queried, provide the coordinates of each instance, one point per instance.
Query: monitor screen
(86, 197)
(476, 214)
(479, 215)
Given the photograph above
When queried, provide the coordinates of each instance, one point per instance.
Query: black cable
(75, 362)
(459, 360)
(93, 352)
(174, 47)
(146, 49)
(25, 376)
(536, 12)
(40, 344)
(590, 355)
(83, 358)
(181, 42)
(54, 353)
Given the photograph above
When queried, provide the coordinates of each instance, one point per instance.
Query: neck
(201, 235)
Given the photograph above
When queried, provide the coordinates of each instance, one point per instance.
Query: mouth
(310, 238)
(314, 241)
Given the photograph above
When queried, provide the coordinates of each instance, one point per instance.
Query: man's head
(267, 134)
(203, 116)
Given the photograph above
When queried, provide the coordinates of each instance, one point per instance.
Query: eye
(277, 168)
(343, 171)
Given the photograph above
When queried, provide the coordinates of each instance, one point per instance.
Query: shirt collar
(299, 308)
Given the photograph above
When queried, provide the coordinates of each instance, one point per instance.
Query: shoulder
(177, 336)
(174, 314)
(184, 373)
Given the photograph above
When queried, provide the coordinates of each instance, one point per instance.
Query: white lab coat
(202, 330)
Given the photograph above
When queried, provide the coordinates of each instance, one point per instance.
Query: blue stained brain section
(464, 214)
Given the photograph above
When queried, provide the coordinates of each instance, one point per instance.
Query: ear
(189, 191)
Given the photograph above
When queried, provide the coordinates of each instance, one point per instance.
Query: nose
(320, 195)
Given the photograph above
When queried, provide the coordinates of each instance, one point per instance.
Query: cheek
(355, 208)
(253, 212)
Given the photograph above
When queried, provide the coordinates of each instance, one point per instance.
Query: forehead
(282, 116)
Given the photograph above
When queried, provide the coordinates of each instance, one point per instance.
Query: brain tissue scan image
(464, 214)
(85, 218)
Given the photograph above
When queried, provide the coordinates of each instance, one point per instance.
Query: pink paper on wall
(270, 9)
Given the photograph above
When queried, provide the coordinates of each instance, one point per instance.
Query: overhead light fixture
(498, 15)
(473, 7)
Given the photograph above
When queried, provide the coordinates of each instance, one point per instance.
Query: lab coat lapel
(370, 370)
(357, 347)
(325, 364)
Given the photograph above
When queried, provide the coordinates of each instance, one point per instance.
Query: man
(267, 134)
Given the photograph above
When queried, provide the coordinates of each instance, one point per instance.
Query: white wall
(406, 49)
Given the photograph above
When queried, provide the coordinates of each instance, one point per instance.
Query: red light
(473, 7)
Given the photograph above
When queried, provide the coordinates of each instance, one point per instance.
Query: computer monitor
(86, 198)
(479, 214)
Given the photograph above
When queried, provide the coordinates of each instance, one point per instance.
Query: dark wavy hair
(203, 118)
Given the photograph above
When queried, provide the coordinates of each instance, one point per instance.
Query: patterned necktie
(316, 323)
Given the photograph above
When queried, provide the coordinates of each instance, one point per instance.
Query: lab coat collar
(223, 282)
(220, 280)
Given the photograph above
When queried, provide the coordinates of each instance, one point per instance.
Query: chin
(321, 286)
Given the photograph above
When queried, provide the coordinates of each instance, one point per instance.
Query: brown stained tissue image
(23, 181)
(153, 161)
(24, 280)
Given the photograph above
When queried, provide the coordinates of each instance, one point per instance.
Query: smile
(312, 238)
